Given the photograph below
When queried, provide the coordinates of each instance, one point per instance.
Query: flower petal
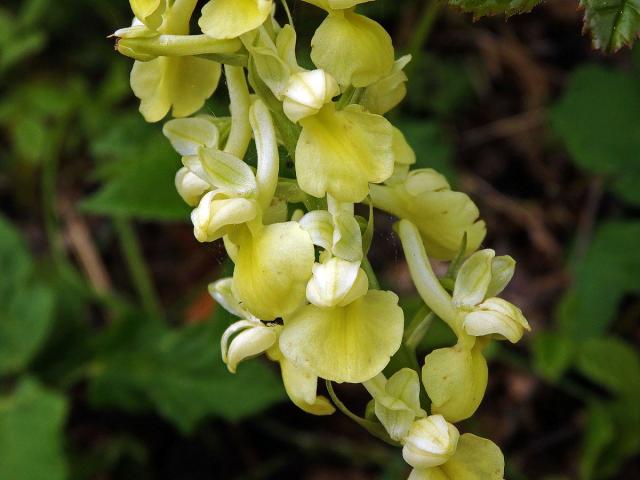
(272, 270)
(475, 459)
(455, 379)
(353, 48)
(473, 279)
(345, 344)
(232, 18)
(187, 135)
(183, 83)
(341, 152)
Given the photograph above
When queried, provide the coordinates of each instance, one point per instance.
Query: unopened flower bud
(496, 316)
(252, 338)
(431, 442)
(190, 187)
(307, 93)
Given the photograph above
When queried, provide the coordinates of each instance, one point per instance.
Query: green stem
(285, 5)
(371, 275)
(138, 267)
(374, 428)
(351, 95)
(422, 32)
(418, 328)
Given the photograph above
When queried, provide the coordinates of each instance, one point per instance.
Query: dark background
(109, 354)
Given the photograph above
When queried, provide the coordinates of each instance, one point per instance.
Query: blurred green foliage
(65, 103)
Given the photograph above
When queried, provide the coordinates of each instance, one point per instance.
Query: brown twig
(78, 236)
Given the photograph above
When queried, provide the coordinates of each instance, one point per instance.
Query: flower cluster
(302, 287)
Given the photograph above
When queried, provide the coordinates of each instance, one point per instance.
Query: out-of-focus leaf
(599, 434)
(440, 85)
(20, 48)
(613, 24)
(612, 437)
(16, 264)
(180, 373)
(26, 310)
(480, 8)
(144, 190)
(609, 270)
(32, 12)
(552, 354)
(432, 145)
(24, 326)
(611, 363)
(597, 119)
(30, 138)
(138, 167)
(31, 442)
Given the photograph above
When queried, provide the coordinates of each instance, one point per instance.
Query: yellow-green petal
(330, 5)
(181, 83)
(301, 386)
(353, 48)
(389, 91)
(473, 279)
(345, 344)
(442, 216)
(341, 152)
(455, 379)
(272, 270)
(149, 12)
(475, 459)
(232, 18)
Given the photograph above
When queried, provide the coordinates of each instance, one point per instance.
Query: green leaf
(599, 434)
(613, 24)
(442, 85)
(552, 354)
(144, 189)
(16, 264)
(612, 436)
(608, 271)
(31, 422)
(597, 119)
(27, 310)
(24, 326)
(611, 363)
(180, 373)
(432, 145)
(494, 7)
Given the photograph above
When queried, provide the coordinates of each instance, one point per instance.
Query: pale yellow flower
(431, 441)
(396, 401)
(455, 379)
(345, 344)
(475, 459)
(231, 18)
(341, 152)
(272, 268)
(353, 48)
(441, 215)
